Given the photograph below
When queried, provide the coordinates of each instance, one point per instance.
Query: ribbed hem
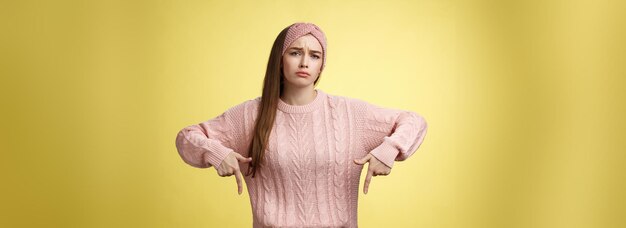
(216, 154)
(386, 153)
(315, 104)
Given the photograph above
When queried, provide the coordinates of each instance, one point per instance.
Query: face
(303, 55)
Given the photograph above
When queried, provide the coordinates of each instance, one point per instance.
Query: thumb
(242, 158)
(362, 160)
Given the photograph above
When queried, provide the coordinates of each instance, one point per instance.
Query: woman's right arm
(218, 142)
(206, 144)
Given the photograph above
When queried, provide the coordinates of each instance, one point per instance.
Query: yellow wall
(525, 103)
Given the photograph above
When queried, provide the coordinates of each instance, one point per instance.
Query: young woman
(302, 149)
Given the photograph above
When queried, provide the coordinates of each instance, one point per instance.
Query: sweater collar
(313, 105)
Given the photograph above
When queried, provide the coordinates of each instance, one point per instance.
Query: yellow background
(525, 102)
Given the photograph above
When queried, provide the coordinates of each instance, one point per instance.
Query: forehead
(307, 41)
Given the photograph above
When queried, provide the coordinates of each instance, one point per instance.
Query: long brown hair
(272, 89)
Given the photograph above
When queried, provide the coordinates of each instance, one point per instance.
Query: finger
(220, 172)
(368, 178)
(362, 160)
(238, 177)
(241, 158)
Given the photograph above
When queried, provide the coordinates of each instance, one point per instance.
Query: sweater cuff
(386, 152)
(216, 154)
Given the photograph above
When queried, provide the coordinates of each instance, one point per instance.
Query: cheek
(291, 65)
(286, 63)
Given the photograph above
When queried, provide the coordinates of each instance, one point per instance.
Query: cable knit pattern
(310, 179)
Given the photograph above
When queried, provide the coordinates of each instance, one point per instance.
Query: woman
(303, 149)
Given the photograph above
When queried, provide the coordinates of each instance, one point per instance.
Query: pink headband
(297, 30)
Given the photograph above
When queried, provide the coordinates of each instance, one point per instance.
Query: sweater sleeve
(207, 143)
(392, 134)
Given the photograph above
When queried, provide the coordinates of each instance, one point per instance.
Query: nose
(304, 62)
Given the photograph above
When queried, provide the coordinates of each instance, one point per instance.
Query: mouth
(302, 74)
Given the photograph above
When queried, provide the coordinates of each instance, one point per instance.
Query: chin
(300, 82)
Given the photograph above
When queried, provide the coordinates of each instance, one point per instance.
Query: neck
(298, 96)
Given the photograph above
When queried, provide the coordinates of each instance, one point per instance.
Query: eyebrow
(298, 48)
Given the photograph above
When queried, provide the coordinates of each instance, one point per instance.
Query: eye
(316, 56)
(294, 52)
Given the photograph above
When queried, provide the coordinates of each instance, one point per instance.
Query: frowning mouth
(302, 74)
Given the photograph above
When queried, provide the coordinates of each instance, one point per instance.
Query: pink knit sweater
(311, 179)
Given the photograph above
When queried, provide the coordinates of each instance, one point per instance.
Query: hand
(230, 166)
(375, 168)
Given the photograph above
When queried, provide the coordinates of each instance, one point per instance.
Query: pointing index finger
(238, 177)
(368, 178)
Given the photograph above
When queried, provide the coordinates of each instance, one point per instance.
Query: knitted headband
(297, 30)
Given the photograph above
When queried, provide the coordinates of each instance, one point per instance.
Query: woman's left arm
(402, 133)
(389, 135)
(409, 131)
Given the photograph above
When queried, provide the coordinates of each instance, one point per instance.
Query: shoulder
(351, 101)
(250, 103)
(244, 107)
(343, 99)
(357, 106)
